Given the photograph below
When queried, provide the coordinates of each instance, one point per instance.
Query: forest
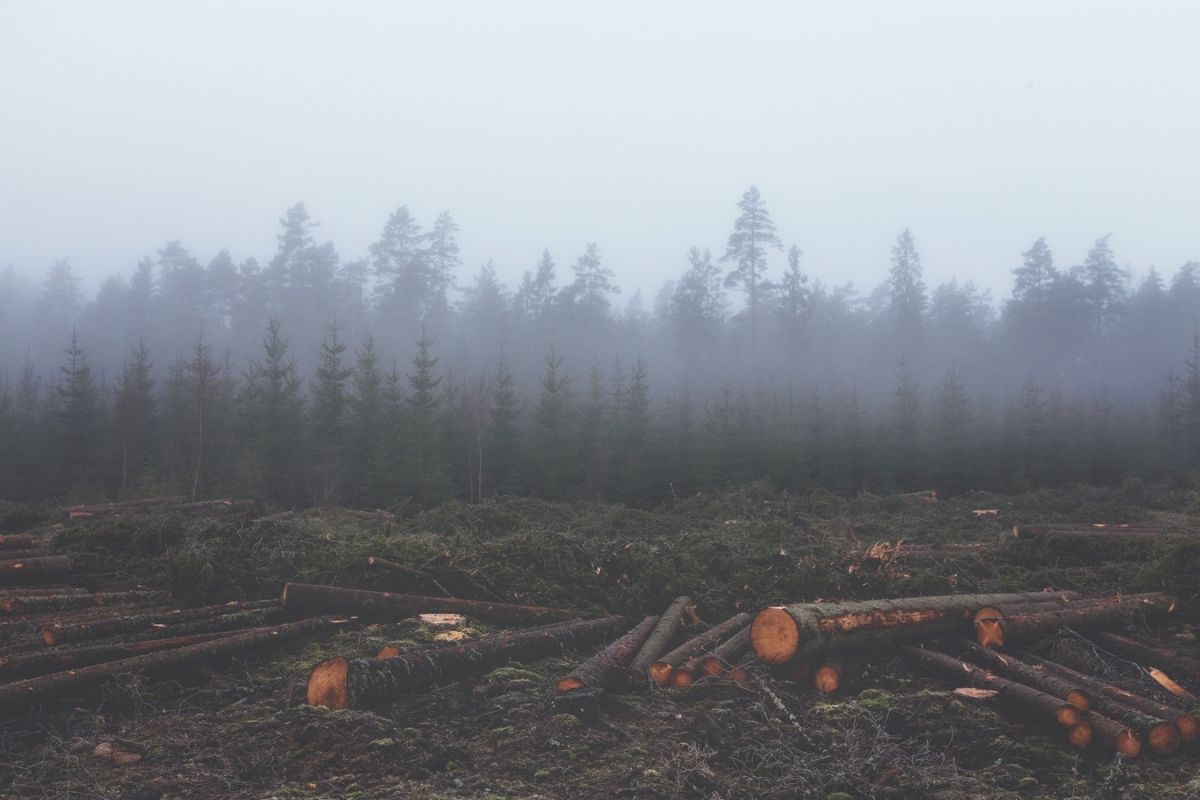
(398, 377)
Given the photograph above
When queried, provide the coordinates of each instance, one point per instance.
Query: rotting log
(41, 603)
(660, 669)
(154, 622)
(1013, 630)
(18, 541)
(48, 569)
(404, 569)
(660, 639)
(341, 682)
(1013, 668)
(21, 695)
(1177, 664)
(779, 632)
(42, 662)
(326, 599)
(1010, 695)
(1114, 696)
(827, 675)
(725, 655)
(607, 667)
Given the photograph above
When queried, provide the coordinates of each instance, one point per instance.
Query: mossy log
(25, 694)
(18, 541)
(325, 599)
(726, 655)
(660, 670)
(780, 632)
(47, 569)
(610, 664)
(1013, 630)
(1013, 668)
(341, 682)
(1171, 662)
(36, 604)
(157, 622)
(1010, 696)
(1112, 701)
(660, 639)
(43, 662)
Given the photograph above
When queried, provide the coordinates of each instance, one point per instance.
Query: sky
(637, 125)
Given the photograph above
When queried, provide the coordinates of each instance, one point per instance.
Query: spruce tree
(134, 417)
(77, 418)
(753, 233)
(504, 435)
(329, 419)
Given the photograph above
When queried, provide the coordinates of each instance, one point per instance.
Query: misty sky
(636, 125)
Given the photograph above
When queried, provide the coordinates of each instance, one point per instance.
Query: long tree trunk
(1034, 531)
(725, 656)
(64, 602)
(660, 639)
(340, 682)
(411, 572)
(43, 662)
(609, 665)
(154, 623)
(779, 632)
(1011, 696)
(21, 695)
(660, 670)
(1010, 667)
(50, 569)
(16, 592)
(1017, 629)
(18, 541)
(1178, 665)
(1111, 698)
(325, 599)
(989, 619)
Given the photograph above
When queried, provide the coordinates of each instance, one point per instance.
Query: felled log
(661, 668)
(42, 662)
(1167, 660)
(18, 541)
(725, 656)
(1013, 630)
(1114, 696)
(659, 640)
(11, 592)
(1010, 695)
(606, 667)
(1035, 531)
(49, 569)
(370, 516)
(341, 682)
(21, 555)
(149, 623)
(779, 632)
(119, 507)
(1111, 736)
(1013, 668)
(52, 602)
(325, 599)
(214, 507)
(412, 572)
(827, 675)
(19, 628)
(21, 695)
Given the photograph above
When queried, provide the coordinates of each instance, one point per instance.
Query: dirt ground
(243, 730)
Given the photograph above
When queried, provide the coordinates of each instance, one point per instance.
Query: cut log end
(49, 637)
(710, 667)
(1080, 735)
(569, 684)
(775, 635)
(1164, 738)
(388, 651)
(739, 675)
(327, 684)
(1128, 744)
(660, 673)
(1079, 699)
(1189, 728)
(827, 678)
(1068, 716)
(682, 677)
(989, 632)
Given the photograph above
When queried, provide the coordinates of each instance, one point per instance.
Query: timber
(660, 670)
(1016, 629)
(18, 541)
(1010, 667)
(726, 654)
(1098, 528)
(1189, 727)
(605, 668)
(35, 623)
(11, 592)
(328, 599)
(403, 569)
(1170, 661)
(340, 682)
(779, 632)
(150, 623)
(827, 676)
(22, 695)
(51, 602)
(49, 569)
(659, 640)
(42, 662)
(1011, 696)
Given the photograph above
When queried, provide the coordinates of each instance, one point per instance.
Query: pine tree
(697, 307)
(370, 471)
(593, 283)
(907, 290)
(905, 430)
(77, 417)
(504, 435)
(426, 474)
(551, 457)
(753, 233)
(329, 419)
(1033, 279)
(443, 259)
(134, 417)
(273, 420)
(952, 423)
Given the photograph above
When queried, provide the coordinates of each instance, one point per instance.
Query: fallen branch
(51, 602)
(403, 569)
(659, 640)
(606, 667)
(1183, 666)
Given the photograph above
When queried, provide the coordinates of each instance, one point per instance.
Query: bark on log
(43, 662)
(659, 640)
(156, 622)
(1112, 736)
(18, 541)
(1012, 668)
(21, 695)
(726, 654)
(22, 555)
(1034, 531)
(1176, 664)
(660, 670)
(324, 599)
(606, 667)
(1189, 727)
(50, 569)
(340, 682)
(1010, 695)
(779, 632)
(12, 592)
(402, 569)
(214, 507)
(1013, 630)
(51, 602)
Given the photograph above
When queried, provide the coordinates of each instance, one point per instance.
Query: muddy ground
(243, 731)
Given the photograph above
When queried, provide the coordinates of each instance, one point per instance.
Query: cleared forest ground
(245, 731)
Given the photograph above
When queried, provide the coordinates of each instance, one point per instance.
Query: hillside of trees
(392, 377)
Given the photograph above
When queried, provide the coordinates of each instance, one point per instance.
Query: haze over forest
(719, 245)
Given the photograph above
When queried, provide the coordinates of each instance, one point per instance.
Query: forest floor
(244, 731)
